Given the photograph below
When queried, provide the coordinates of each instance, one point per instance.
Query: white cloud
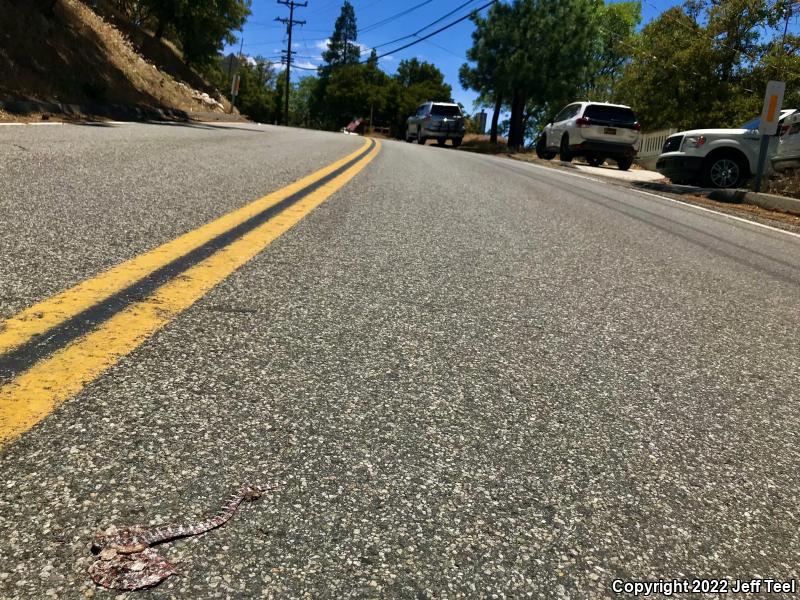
(323, 45)
(387, 58)
(305, 64)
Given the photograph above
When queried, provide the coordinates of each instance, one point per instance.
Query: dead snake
(126, 559)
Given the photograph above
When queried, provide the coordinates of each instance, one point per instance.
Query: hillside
(63, 51)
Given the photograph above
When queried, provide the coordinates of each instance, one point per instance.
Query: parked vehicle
(593, 130)
(719, 158)
(788, 153)
(440, 121)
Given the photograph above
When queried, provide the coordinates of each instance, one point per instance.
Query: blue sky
(266, 37)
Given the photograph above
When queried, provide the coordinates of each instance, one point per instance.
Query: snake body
(126, 558)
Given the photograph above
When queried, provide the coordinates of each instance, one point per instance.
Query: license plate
(610, 131)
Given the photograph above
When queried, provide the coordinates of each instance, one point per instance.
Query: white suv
(593, 130)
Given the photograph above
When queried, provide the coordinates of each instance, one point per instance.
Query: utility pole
(236, 77)
(290, 22)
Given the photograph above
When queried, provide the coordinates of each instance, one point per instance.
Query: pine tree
(342, 47)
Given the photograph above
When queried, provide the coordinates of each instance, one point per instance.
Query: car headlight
(694, 141)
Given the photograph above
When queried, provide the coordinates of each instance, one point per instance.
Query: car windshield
(616, 114)
(445, 110)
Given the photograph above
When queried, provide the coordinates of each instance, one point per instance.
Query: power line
(428, 26)
(438, 31)
(388, 20)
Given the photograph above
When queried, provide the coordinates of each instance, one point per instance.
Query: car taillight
(637, 126)
(583, 122)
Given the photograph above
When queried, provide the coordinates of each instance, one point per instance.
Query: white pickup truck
(720, 158)
(788, 154)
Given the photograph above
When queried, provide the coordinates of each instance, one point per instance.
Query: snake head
(252, 493)
(122, 541)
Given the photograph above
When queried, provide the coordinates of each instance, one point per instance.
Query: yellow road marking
(46, 314)
(34, 394)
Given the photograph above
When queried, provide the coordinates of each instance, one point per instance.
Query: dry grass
(78, 57)
(785, 184)
(480, 144)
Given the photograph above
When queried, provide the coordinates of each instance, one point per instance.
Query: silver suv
(440, 121)
(593, 130)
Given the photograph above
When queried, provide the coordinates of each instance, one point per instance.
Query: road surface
(471, 377)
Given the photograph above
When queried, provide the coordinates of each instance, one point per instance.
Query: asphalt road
(471, 377)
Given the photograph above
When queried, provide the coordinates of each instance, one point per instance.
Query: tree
(300, 101)
(201, 27)
(379, 90)
(484, 78)
(343, 53)
(706, 64)
(342, 46)
(618, 22)
(415, 82)
(204, 26)
(347, 88)
(534, 54)
(257, 90)
(670, 80)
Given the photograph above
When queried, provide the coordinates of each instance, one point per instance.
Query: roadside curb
(773, 202)
(768, 201)
(115, 112)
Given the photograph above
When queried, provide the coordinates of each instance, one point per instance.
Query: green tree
(485, 78)
(201, 27)
(346, 96)
(537, 54)
(416, 82)
(329, 107)
(258, 97)
(617, 29)
(671, 80)
(379, 91)
(342, 46)
(300, 101)
(204, 26)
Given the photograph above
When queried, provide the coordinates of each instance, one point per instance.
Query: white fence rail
(650, 145)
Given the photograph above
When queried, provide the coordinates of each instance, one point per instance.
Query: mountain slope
(63, 51)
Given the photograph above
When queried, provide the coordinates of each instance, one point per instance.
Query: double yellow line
(36, 389)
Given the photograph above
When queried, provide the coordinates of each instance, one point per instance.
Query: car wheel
(624, 163)
(421, 140)
(723, 171)
(564, 152)
(409, 139)
(456, 142)
(595, 161)
(541, 149)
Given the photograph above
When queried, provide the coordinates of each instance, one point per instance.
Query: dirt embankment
(63, 51)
